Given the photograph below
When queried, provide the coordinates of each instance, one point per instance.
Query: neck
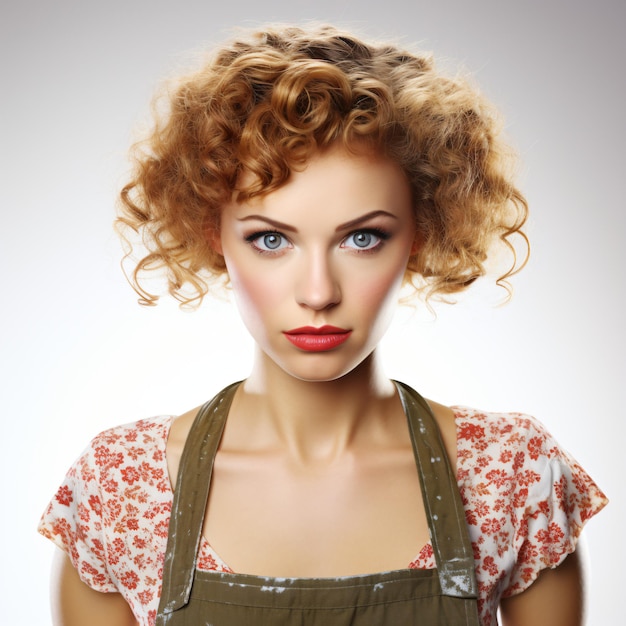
(315, 421)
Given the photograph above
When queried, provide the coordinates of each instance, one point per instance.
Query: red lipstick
(320, 339)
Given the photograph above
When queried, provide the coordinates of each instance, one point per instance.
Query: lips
(311, 339)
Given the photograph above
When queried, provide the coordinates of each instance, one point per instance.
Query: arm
(76, 604)
(556, 598)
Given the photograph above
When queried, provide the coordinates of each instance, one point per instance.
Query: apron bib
(446, 595)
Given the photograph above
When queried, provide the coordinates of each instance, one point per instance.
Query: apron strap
(187, 518)
(442, 501)
(449, 534)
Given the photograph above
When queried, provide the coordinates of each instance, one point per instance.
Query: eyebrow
(345, 226)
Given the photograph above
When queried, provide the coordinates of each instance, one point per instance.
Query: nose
(317, 284)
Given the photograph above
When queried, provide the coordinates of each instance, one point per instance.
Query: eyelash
(263, 233)
(382, 235)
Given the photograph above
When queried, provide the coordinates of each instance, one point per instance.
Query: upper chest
(360, 513)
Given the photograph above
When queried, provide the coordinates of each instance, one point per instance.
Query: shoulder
(513, 439)
(116, 458)
(446, 422)
(148, 432)
(471, 434)
(180, 427)
(526, 498)
(111, 512)
(475, 422)
(127, 444)
(512, 458)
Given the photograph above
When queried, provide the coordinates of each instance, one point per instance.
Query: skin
(556, 598)
(324, 429)
(74, 603)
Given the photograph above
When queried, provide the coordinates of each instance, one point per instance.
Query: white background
(78, 354)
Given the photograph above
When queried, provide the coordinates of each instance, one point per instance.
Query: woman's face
(316, 265)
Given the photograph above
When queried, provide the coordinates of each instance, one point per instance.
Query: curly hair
(265, 102)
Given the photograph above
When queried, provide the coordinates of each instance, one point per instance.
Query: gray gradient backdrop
(78, 354)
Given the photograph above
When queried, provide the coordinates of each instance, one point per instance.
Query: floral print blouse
(526, 501)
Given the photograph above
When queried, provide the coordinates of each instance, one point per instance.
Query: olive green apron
(446, 595)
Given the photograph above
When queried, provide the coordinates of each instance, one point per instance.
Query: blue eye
(365, 239)
(271, 241)
(268, 241)
(362, 240)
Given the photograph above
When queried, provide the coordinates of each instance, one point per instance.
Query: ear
(418, 242)
(214, 239)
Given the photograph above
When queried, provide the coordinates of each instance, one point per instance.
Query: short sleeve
(111, 513)
(73, 520)
(526, 500)
(553, 498)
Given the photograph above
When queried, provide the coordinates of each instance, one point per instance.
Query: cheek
(378, 293)
(255, 294)
(384, 282)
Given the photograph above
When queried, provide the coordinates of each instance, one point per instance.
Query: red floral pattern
(526, 501)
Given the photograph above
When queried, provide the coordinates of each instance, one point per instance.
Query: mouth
(322, 339)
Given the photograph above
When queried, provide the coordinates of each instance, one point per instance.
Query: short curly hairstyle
(268, 100)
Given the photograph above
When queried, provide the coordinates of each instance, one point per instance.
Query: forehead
(333, 183)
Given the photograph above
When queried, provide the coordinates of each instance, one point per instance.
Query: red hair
(264, 103)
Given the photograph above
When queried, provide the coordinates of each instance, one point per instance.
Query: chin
(321, 369)
(318, 379)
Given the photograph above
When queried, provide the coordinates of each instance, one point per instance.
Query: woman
(318, 174)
